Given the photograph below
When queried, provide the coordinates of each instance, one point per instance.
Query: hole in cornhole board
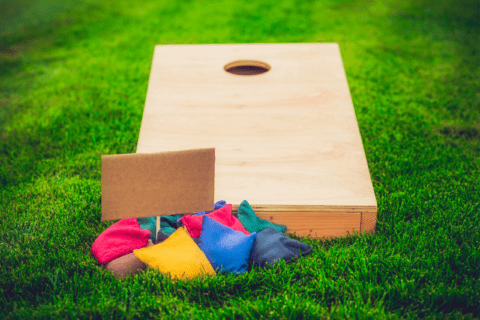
(247, 67)
(286, 140)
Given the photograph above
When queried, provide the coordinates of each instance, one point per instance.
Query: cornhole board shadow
(282, 122)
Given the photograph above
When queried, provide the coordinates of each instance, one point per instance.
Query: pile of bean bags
(205, 243)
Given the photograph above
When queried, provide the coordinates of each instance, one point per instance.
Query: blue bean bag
(227, 250)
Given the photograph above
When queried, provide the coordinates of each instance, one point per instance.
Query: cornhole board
(286, 140)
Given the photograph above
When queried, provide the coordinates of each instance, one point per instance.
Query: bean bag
(222, 215)
(219, 204)
(161, 236)
(252, 223)
(168, 224)
(272, 245)
(216, 206)
(226, 249)
(120, 239)
(127, 265)
(149, 223)
(179, 256)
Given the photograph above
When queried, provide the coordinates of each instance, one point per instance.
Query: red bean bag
(222, 215)
(120, 239)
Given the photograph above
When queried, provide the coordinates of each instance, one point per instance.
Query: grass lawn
(73, 81)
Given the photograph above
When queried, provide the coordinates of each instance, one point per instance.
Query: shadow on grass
(34, 26)
(22, 15)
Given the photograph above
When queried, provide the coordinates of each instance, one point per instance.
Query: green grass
(72, 87)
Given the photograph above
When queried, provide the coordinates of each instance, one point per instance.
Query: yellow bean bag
(178, 256)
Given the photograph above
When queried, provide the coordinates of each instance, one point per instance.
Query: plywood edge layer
(368, 222)
(322, 224)
(316, 224)
(310, 208)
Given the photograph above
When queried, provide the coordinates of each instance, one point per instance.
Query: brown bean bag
(127, 264)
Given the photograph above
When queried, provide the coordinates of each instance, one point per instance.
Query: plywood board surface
(285, 140)
(145, 185)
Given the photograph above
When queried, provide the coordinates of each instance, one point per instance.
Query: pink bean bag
(120, 239)
(222, 215)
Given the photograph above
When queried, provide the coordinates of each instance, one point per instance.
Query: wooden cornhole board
(285, 140)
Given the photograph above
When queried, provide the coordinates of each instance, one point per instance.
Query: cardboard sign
(144, 185)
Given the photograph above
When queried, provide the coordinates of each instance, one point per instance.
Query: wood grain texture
(369, 222)
(316, 224)
(286, 140)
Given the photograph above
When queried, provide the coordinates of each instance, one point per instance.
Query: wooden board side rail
(333, 222)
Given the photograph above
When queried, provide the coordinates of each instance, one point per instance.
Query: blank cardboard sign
(145, 185)
(283, 125)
